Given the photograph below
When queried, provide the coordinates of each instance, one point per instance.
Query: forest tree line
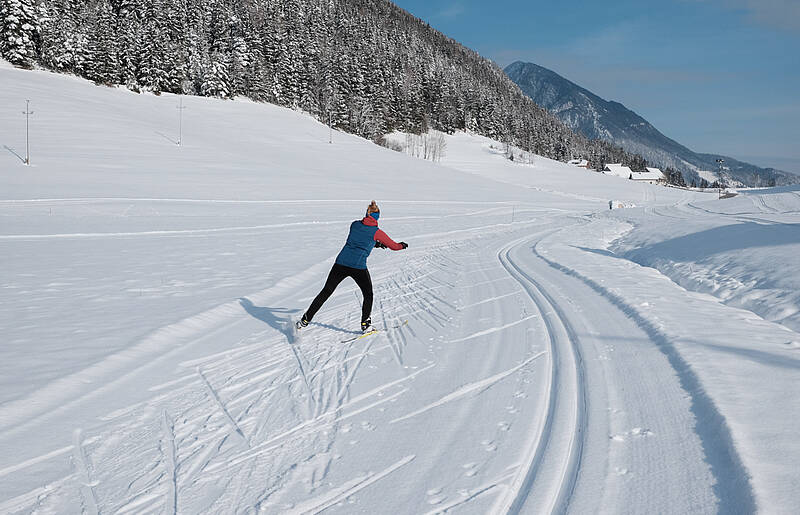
(364, 66)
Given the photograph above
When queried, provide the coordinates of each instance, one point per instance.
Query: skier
(352, 262)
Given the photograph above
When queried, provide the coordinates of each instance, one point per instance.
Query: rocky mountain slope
(596, 118)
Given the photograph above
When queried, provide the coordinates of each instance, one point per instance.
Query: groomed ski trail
(556, 417)
(552, 457)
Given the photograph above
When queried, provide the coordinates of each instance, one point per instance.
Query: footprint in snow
(504, 426)
(489, 446)
(471, 469)
(636, 432)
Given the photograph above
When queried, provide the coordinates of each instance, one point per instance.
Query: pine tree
(19, 28)
(102, 64)
(216, 82)
(151, 51)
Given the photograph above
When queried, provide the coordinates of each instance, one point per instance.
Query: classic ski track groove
(733, 487)
(564, 393)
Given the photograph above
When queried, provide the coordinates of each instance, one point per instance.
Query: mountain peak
(596, 118)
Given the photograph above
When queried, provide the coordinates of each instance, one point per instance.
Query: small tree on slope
(19, 31)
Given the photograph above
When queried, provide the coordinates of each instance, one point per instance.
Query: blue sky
(715, 75)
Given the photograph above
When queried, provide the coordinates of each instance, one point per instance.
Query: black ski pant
(337, 275)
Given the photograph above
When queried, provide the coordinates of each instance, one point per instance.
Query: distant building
(618, 170)
(580, 163)
(651, 176)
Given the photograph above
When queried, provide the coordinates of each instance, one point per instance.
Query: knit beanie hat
(373, 208)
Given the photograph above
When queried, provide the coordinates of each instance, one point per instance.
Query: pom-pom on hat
(373, 210)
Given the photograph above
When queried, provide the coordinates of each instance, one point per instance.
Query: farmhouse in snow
(651, 176)
(618, 170)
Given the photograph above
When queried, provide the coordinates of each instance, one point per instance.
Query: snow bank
(741, 250)
(738, 368)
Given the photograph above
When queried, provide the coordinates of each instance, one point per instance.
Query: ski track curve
(732, 487)
(565, 415)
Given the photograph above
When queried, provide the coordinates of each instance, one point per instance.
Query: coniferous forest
(365, 66)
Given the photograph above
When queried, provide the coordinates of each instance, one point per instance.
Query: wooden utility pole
(27, 112)
(180, 121)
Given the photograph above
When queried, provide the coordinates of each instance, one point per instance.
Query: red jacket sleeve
(386, 240)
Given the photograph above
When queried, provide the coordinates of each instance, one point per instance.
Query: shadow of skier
(279, 319)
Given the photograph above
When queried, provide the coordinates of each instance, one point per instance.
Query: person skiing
(352, 262)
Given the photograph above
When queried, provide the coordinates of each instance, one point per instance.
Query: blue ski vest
(360, 243)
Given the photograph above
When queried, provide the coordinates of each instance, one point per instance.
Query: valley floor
(536, 352)
(519, 367)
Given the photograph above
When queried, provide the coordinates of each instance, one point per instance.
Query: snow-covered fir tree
(19, 31)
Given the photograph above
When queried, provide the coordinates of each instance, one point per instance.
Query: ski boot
(303, 322)
(366, 326)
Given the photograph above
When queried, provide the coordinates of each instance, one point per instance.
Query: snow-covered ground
(538, 352)
(707, 175)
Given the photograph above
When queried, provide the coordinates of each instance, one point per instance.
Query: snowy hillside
(529, 358)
